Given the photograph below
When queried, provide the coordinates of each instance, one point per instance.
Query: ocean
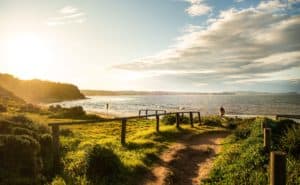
(258, 104)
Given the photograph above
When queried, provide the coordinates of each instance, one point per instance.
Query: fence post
(123, 132)
(55, 137)
(191, 119)
(139, 113)
(267, 139)
(199, 118)
(177, 120)
(157, 123)
(278, 168)
(146, 111)
(156, 111)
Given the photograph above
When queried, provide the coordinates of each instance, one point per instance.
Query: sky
(166, 45)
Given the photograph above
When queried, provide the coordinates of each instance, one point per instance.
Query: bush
(58, 181)
(19, 160)
(66, 132)
(171, 119)
(102, 165)
(242, 133)
(26, 155)
(47, 155)
(212, 121)
(290, 141)
(30, 108)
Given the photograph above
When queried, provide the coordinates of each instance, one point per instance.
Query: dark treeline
(38, 90)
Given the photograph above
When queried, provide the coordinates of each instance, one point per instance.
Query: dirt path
(188, 161)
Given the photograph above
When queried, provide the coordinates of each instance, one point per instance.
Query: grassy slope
(244, 161)
(143, 145)
(142, 148)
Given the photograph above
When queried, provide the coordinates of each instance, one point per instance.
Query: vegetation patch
(244, 160)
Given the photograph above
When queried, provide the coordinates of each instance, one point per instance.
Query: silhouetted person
(222, 111)
(107, 107)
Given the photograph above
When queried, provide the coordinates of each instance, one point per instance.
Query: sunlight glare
(28, 56)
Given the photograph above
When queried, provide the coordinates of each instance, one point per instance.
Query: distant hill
(8, 98)
(36, 91)
(119, 93)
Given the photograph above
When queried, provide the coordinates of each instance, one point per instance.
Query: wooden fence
(123, 120)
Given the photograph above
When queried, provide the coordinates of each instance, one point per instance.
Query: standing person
(107, 106)
(222, 111)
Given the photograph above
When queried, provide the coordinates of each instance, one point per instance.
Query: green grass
(244, 160)
(143, 146)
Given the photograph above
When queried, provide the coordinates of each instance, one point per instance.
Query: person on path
(222, 111)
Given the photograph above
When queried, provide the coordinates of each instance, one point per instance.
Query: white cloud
(67, 15)
(68, 10)
(239, 45)
(271, 5)
(198, 8)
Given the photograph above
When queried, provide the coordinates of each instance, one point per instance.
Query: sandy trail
(188, 161)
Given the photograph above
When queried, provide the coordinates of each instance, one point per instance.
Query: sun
(28, 55)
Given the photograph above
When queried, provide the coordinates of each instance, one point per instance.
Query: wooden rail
(55, 128)
(151, 110)
(287, 116)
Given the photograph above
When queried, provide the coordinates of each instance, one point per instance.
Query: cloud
(198, 8)
(238, 46)
(67, 15)
(271, 5)
(68, 10)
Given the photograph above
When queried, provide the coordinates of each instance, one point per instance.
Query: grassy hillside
(90, 154)
(93, 154)
(9, 100)
(244, 160)
(38, 90)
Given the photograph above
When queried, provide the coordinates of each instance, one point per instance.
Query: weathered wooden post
(267, 139)
(157, 123)
(264, 125)
(199, 118)
(55, 137)
(278, 168)
(177, 120)
(123, 132)
(156, 111)
(191, 119)
(146, 111)
(139, 113)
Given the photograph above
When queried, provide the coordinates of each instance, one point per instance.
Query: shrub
(58, 181)
(102, 165)
(169, 119)
(290, 141)
(19, 160)
(242, 133)
(212, 121)
(30, 108)
(25, 151)
(47, 155)
(66, 132)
